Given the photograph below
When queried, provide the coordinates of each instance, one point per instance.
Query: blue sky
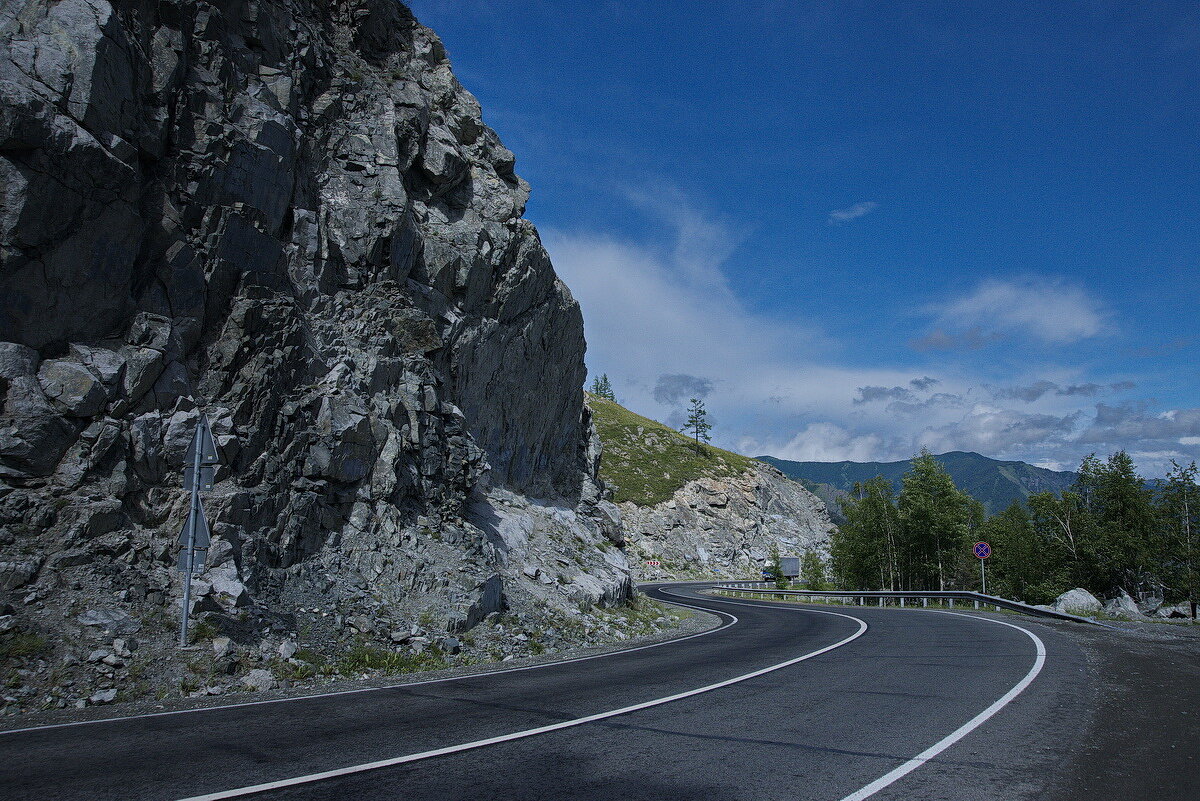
(860, 228)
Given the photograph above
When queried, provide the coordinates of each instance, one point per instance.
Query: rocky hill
(700, 515)
(289, 215)
(994, 483)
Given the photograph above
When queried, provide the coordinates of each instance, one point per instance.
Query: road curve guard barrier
(939, 595)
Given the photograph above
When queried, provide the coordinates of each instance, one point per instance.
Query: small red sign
(652, 563)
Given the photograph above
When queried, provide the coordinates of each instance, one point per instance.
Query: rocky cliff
(289, 215)
(701, 514)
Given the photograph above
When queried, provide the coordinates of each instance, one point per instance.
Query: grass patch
(312, 657)
(365, 659)
(200, 631)
(287, 671)
(646, 462)
(21, 644)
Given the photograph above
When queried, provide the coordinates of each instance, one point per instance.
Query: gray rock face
(726, 527)
(290, 215)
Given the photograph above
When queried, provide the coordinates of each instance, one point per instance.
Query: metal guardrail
(767, 588)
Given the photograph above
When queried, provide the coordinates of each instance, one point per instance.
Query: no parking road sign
(983, 551)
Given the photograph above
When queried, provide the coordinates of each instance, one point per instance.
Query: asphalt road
(809, 703)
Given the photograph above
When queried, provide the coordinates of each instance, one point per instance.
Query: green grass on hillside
(645, 462)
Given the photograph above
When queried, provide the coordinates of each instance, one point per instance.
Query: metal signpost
(194, 538)
(983, 551)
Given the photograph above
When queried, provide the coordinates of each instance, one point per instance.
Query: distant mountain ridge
(992, 482)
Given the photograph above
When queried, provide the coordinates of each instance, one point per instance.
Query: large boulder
(1077, 602)
(113, 620)
(260, 680)
(1122, 606)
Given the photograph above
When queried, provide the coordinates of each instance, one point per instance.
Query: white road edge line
(968, 727)
(389, 686)
(387, 763)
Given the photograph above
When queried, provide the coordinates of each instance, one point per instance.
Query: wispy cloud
(849, 213)
(923, 409)
(1039, 389)
(869, 394)
(1049, 310)
(1028, 394)
(971, 339)
(924, 383)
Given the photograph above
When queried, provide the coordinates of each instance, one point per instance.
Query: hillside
(646, 462)
(690, 515)
(994, 483)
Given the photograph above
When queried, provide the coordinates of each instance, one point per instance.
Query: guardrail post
(924, 602)
(951, 603)
(997, 608)
(976, 604)
(901, 603)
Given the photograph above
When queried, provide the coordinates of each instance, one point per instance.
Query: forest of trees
(1111, 531)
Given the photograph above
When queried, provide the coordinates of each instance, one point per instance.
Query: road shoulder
(696, 622)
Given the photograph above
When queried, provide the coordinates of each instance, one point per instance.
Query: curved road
(781, 701)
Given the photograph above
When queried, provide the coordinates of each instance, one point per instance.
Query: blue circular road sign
(982, 550)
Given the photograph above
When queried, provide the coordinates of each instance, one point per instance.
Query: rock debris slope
(718, 514)
(290, 215)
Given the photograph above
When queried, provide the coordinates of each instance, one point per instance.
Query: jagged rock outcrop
(725, 526)
(699, 512)
(287, 214)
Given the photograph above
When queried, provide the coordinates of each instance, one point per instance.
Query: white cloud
(821, 442)
(1131, 422)
(997, 432)
(1046, 309)
(852, 212)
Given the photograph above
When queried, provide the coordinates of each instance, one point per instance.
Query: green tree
(1129, 532)
(698, 424)
(864, 551)
(1179, 511)
(935, 522)
(812, 570)
(1105, 533)
(1022, 565)
(775, 570)
(602, 388)
(1066, 529)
